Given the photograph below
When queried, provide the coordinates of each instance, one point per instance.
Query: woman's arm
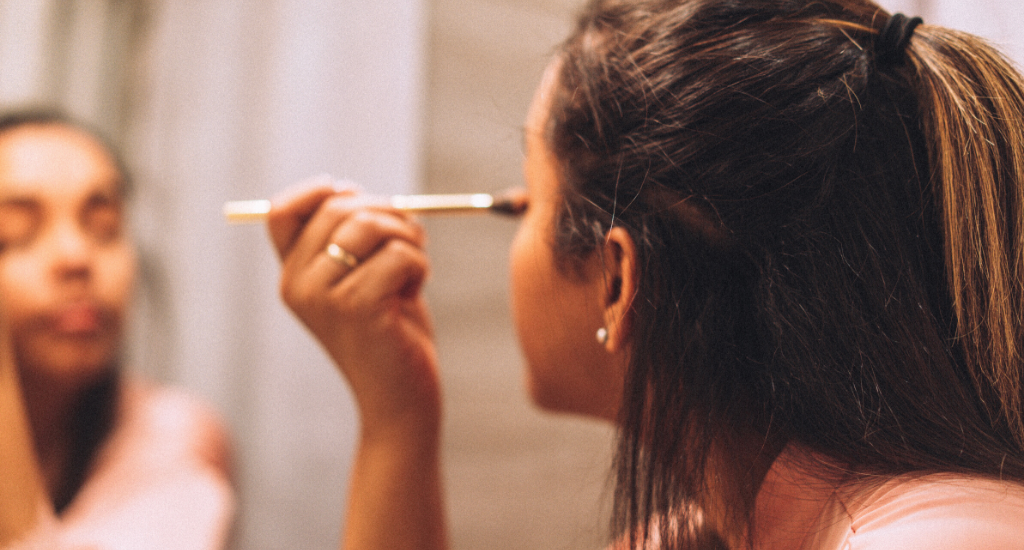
(23, 502)
(372, 320)
(395, 498)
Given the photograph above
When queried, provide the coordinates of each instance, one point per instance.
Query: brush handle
(255, 211)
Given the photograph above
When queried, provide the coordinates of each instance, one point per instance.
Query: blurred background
(216, 100)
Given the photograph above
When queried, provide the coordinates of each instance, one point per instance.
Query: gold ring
(342, 256)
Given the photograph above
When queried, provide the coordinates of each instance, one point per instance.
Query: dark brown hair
(831, 245)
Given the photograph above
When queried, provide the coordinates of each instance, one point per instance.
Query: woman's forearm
(395, 496)
(22, 494)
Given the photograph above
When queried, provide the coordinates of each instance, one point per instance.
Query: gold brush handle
(255, 211)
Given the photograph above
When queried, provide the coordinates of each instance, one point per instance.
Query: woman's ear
(620, 287)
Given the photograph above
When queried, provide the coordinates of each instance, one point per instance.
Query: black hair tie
(891, 43)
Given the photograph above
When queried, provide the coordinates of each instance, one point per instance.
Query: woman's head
(67, 265)
(816, 264)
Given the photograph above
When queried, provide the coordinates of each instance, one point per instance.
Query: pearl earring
(602, 336)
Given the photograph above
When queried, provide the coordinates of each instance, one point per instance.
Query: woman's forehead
(537, 115)
(51, 157)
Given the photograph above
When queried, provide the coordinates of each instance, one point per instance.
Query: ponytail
(972, 109)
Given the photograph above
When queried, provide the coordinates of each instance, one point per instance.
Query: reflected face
(557, 313)
(67, 266)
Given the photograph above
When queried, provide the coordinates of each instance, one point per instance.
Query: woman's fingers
(352, 271)
(293, 208)
(304, 223)
(358, 232)
(396, 271)
(324, 255)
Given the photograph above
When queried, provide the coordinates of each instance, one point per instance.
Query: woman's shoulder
(173, 423)
(161, 480)
(936, 512)
(801, 507)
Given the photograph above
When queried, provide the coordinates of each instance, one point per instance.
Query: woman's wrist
(411, 428)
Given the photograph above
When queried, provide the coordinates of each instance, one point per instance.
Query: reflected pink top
(160, 482)
(798, 511)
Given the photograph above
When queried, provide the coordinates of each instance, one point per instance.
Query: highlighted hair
(972, 107)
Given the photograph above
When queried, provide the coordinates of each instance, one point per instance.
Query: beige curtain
(237, 99)
(75, 54)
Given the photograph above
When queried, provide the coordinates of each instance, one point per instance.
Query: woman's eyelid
(102, 215)
(19, 220)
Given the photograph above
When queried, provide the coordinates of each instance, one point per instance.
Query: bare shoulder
(941, 511)
(174, 423)
(163, 476)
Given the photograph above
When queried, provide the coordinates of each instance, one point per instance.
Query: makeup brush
(255, 211)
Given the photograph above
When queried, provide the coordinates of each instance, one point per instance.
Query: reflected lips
(78, 319)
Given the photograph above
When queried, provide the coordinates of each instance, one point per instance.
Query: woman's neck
(735, 475)
(793, 496)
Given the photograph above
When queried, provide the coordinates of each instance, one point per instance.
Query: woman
(120, 463)
(797, 232)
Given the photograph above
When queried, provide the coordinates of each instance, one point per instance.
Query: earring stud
(602, 336)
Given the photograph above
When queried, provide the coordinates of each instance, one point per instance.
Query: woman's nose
(71, 249)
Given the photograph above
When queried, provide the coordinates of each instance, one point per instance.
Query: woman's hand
(362, 301)
(364, 304)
